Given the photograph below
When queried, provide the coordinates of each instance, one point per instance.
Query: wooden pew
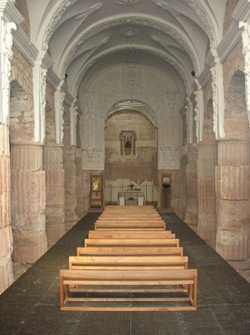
(146, 225)
(173, 251)
(94, 242)
(122, 218)
(170, 290)
(130, 234)
(118, 262)
(128, 210)
(129, 255)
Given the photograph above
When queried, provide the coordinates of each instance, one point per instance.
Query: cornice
(47, 61)
(53, 79)
(69, 99)
(210, 59)
(9, 12)
(23, 44)
(242, 11)
(205, 76)
(230, 39)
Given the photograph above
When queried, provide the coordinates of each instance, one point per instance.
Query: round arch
(134, 105)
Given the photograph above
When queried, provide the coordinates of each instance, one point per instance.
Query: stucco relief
(169, 158)
(218, 99)
(73, 122)
(59, 110)
(91, 134)
(127, 2)
(59, 13)
(199, 112)
(137, 21)
(189, 120)
(39, 80)
(6, 56)
(246, 52)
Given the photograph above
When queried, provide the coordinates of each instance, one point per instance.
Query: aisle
(31, 304)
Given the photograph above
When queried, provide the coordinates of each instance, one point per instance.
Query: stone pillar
(79, 185)
(55, 197)
(207, 221)
(69, 163)
(6, 272)
(191, 216)
(232, 178)
(183, 188)
(28, 202)
(70, 187)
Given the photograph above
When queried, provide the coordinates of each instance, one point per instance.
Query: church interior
(124, 103)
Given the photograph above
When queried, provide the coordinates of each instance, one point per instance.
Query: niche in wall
(128, 142)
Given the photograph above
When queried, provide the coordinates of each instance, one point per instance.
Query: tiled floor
(31, 304)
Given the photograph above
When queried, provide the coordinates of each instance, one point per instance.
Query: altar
(131, 198)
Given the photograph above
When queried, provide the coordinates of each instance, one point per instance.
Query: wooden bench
(146, 225)
(121, 262)
(97, 242)
(170, 290)
(174, 251)
(121, 217)
(131, 210)
(125, 208)
(130, 234)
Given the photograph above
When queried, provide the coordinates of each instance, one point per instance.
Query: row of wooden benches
(129, 268)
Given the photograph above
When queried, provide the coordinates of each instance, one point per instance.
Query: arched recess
(137, 166)
(139, 88)
(233, 178)
(236, 121)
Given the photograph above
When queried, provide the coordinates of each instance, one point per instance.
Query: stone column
(79, 185)
(191, 175)
(69, 163)
(28, 202)
(183, 187)
(6, 272)
(70, 187)
(207, 221)
(55, 198)
(232, 178)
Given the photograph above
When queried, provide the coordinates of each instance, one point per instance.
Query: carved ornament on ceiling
(127, 2)
(129, 32)
(135, 20)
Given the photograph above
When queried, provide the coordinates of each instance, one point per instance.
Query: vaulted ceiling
(83, 37)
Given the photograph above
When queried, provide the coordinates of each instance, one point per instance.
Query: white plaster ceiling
(85, 36)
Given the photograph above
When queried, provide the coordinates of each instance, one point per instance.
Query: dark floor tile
(31, 304)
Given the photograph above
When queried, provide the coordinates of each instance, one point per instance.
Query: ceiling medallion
(129, 32)
(127, 2)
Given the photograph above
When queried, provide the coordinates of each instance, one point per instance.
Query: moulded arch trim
(145, 20)
(137, 106)
(177, 66)
(209, 21)
(50, 21)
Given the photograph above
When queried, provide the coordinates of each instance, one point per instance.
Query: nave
(31, 304)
